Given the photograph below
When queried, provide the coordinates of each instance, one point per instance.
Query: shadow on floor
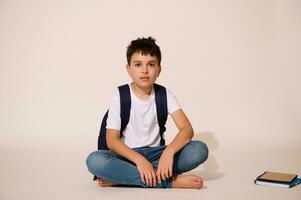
(210, 171)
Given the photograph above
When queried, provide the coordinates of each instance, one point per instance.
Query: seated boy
(137, 158)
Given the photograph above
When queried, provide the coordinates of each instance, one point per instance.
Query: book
(269, 178)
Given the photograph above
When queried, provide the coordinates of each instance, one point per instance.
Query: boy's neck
(142, 93)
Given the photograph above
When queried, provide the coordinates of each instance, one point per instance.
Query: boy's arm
(182, 138)
(145, 168)
(185, 131)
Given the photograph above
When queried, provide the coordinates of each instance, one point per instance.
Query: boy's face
(144, 69)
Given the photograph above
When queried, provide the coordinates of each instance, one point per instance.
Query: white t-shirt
(142, 129)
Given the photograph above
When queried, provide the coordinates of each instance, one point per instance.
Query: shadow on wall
(210, 171)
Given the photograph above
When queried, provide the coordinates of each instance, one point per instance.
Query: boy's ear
(127, 68)
(159, 70)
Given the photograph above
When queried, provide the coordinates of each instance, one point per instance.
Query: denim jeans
(111, 167)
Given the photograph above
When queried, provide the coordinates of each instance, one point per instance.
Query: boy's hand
(164, 170)
(147, 172)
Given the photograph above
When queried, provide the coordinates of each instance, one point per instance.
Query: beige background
(233, 65)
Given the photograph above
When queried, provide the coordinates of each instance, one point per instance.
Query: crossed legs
(112, 169)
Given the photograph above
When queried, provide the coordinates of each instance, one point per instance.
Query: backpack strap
(125, 106)
(102, 143)
(161, 104)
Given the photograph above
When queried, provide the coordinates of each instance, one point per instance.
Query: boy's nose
(145, 69)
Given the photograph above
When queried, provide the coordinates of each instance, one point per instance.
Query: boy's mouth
(144, 78)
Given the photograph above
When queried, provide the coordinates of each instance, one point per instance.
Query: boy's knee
(91, 160)
(94, 161)
(200, 151)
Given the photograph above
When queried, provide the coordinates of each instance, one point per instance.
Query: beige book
(276, 176)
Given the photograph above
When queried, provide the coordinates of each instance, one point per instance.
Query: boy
(137, 158)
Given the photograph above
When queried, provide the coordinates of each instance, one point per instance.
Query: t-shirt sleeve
(114, 120)
(172, 102)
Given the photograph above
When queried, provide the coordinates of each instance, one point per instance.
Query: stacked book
(278, 179)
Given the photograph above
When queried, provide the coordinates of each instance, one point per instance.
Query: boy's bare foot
(180, 181)
(187, 181)
(104, 183)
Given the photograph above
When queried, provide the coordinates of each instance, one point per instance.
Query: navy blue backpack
(125, 108)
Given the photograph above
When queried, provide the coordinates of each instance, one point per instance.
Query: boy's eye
(152, 65)
(137, 65)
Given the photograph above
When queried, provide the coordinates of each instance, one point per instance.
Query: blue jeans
(116, 169)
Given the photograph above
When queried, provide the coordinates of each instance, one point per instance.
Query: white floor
(56, 172)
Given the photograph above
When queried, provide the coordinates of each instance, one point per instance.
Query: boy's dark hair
(145, 46)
